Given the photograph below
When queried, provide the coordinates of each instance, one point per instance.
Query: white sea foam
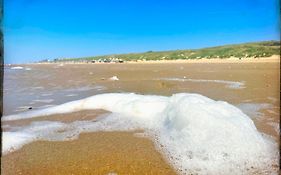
(85, 88)
(196, 134)
(44, 100)
(229, 84)
(71, 95)
(14, 140)
(17, 68)
(37, 87)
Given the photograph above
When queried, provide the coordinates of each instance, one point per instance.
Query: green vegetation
(255, 49)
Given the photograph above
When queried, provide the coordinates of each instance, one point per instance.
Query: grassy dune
(254, 49)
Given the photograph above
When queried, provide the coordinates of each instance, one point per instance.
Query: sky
(46, 29)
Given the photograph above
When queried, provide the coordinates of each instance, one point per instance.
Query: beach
(251, 85)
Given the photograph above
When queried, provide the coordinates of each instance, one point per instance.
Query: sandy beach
(140, 87)
(251, 85)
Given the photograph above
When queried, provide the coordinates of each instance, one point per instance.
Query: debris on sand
(114, 78)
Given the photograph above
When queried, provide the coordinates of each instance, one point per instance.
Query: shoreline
(273, 58)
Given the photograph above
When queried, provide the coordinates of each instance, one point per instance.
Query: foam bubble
(196, 134)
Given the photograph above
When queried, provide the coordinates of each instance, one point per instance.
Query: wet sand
(122, 152)
(94, 153)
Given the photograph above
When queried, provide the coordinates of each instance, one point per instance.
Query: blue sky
(47, 29)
